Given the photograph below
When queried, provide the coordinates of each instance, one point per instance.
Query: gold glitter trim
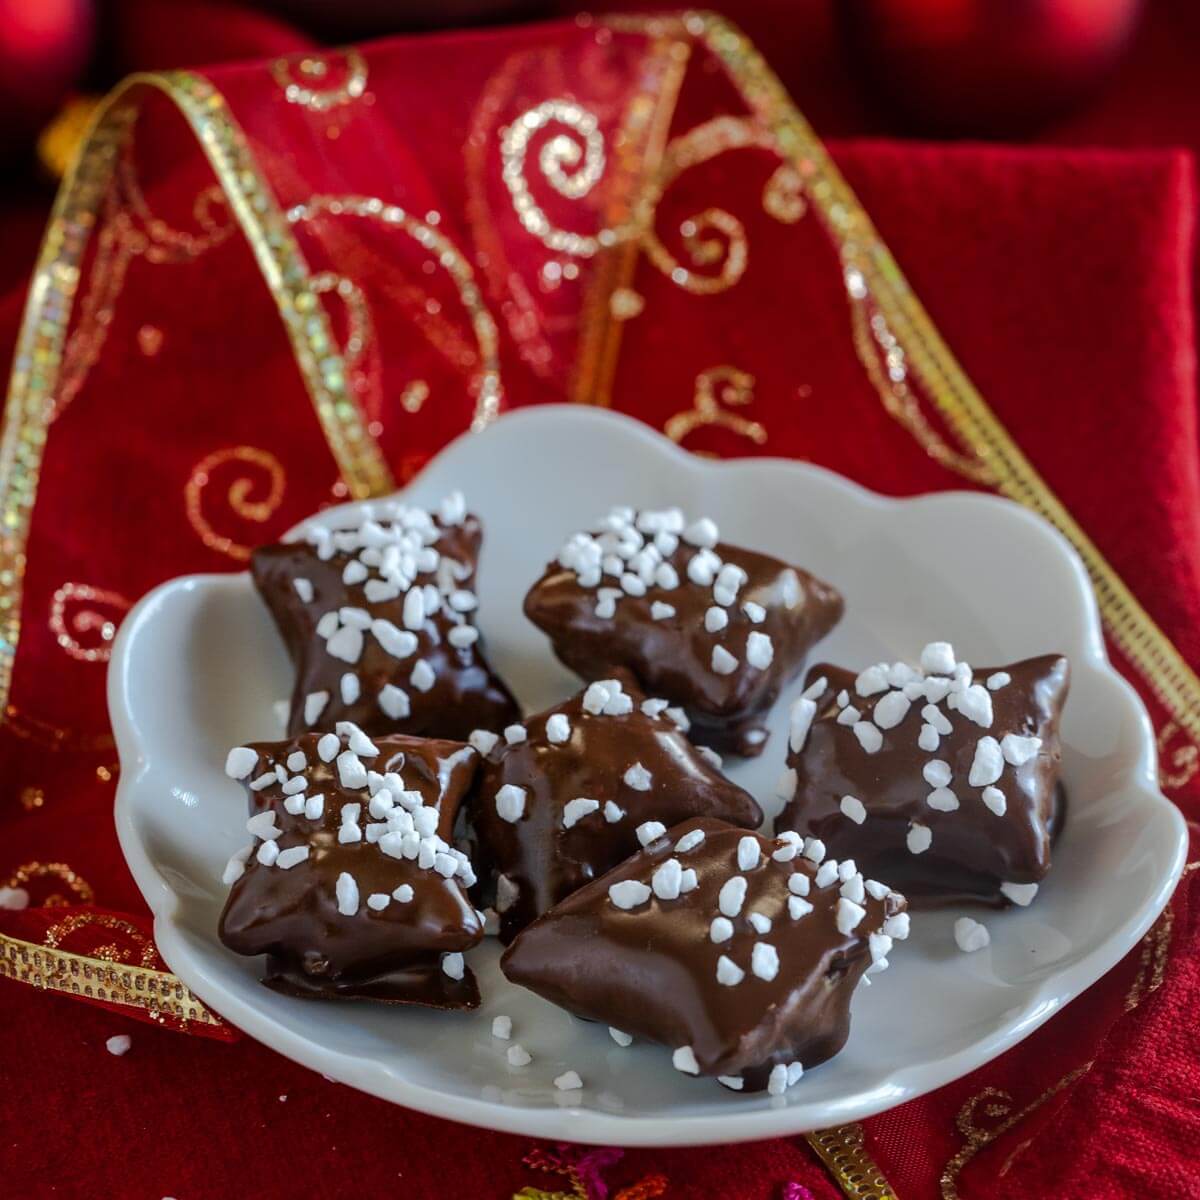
(237, 495)
(76, 884)
(716, 387)
(85, 620)
(312, 93)
(38, 360)
(158, 992)
(843, 1151)
(69, 925)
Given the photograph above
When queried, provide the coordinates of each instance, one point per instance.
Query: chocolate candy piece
(944, 786)
(351, 887)
(736, 951)
(379, 621)
(564, 801)
(716, 628)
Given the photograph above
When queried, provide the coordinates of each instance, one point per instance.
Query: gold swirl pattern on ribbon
(1178, 756)
(142, 945)
(79, 887)
(572, 166)
(717, 387)
(486, 386)
(84, 622)
(239, 495)
(319, 84)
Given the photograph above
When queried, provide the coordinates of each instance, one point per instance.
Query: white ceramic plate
(197, 666)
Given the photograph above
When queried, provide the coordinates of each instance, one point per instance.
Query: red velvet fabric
(1061, 280)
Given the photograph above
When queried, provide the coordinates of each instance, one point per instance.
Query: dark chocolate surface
(973, 850)
(537, 860)
(651, 969)
(460, 691)
(672, 656)
(293, 915)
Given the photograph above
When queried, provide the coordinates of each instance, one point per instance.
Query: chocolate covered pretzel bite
(351, 887)
(378, 618)
(940, 779)
(737, 952)
(576, 789)
(715, 628)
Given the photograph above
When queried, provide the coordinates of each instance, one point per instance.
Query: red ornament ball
(44, 47)
(986, 68)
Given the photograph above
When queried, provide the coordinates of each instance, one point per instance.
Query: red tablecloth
(183, 432)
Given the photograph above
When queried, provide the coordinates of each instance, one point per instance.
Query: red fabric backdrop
(1061, 279)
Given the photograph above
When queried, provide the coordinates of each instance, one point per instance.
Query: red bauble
(985, 68)
(44, 48)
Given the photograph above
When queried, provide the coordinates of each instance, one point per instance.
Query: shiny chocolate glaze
(292, 915)
(537, 861)
(672, 656)
(973, 850)
(651, 970)
(466, 694)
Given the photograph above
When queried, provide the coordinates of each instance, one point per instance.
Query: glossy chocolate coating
(672, 657)
(542, 860)
(466, 694)
(651, 970)
(292, 915)
(974, 850)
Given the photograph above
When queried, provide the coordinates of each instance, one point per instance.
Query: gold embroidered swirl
(79, 887)
(322, 83)
(143, 946)
(715, 388)
(239, 495)
(87, 623)
(1178, 756)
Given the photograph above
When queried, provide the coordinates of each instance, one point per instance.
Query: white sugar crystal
(871, 681)
(728, 972)
(755, 613)
(502, 1027)
(817, 688)
(240, 761)
(854, 889)
(760, 921)
(814, 850)
(853, 808)
(735, 1083)
(414, 608)
(575, 810)
(327, 626)
(268, 852)
(970, 935)
(632, 585)
(929, 739)
(936, 689)
(764, 961)
(897, 926)
(721, 930)
(777, 1081)
(702, 532)
(290, 857)
(848, 915)
(628, 893)
(606, 603)
(262, 825)
(919, 838)
(732, 896)
(1020, 893)
(394, 702)
(798, 907)
(235, 868)
(998, 680)
(403, 893)
(514, 734)
(353, 572)
(846, 868)
(314, 706)
(995, 799)
(800, 719)
(462, 636)
(679, 717)
(119, 1044)
(346, 644)
(875, 889)
(942, 799)
(936, 772)
(463, 601)
(715, 619)
(350, 687)
(891, 709)
(648, 831)
(518, 1056)
(849, 715)
(346, 890)
(938, 659)
(314, 807)
(689, 841)
(667, 880)
(684, 1059)
(483, 740)
(510, 803)
(1018, 750)
(304, 589)
(975, 703)
(799, 883)
(937, 719)
(558, 729)
(723, 663)
(702, 568)
(295, 785)
(453, 965)
(423, 677)
(688, 881)
(378, 901)
(356, 739)
(760, 650)
(568, 1081)
(620, 1036)
(660, 611)
(790, 839)
(827, 873)
(988, 764)
(638, 778)
(748, 853)
(666, 578)
(880, 946)
(328, 746)
(596, 697)
(612, 812)
(869, 737)
(351, 772)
